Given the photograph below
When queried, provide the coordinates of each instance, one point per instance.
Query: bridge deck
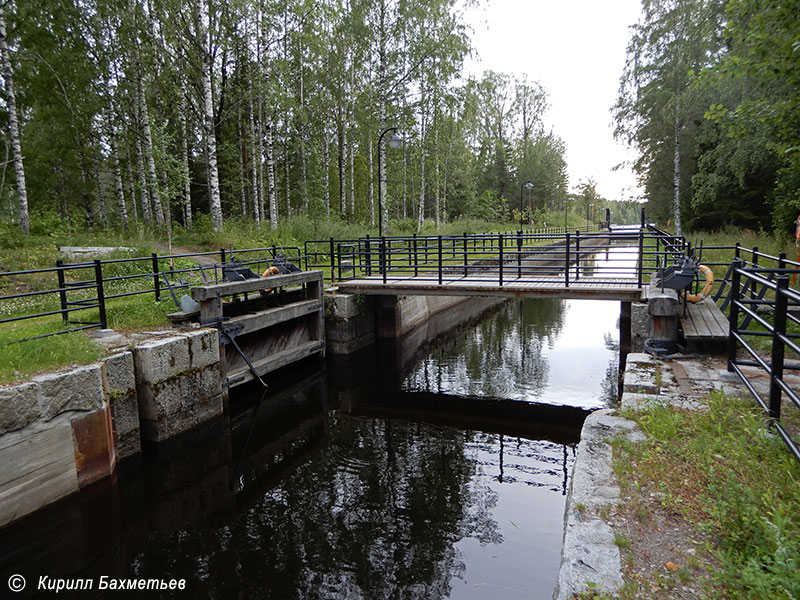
(622, 289)
(704, 322)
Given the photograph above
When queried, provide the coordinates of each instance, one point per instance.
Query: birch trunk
(120, 191)
(371, 185)
(214, 200)
(251, 139)
(13, 125)
(351, 155)
(187, 183)
(271, 191)
(147, 211)
(132, 188)
(101, 197)
(437, 196)
(326, 160)
(286, 177)
(676, 177)
(149, 154)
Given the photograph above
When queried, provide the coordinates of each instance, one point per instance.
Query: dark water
(442, 477)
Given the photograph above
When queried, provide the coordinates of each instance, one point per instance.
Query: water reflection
(549, 351)
(358, 482)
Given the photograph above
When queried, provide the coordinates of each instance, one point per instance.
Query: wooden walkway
(704, 322)
(621, 289)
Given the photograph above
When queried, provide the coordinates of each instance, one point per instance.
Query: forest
(157, 114)
(176, 114)
(710, 100)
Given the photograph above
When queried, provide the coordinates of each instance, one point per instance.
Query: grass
(723, 472)
(19, 361)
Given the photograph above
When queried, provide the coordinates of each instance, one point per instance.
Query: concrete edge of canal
(590, 558)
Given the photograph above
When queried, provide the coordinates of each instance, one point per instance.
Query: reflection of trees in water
(611, 380)
(492, 358)
(376, 515)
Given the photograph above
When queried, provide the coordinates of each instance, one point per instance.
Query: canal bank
(356, 481)
(591, 558)
(62, 432)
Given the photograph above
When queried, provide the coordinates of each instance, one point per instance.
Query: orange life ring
(707, 289)
(269, 273)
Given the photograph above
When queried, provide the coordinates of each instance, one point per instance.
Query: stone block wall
(63, 431)
(178, 382)
(55, 438)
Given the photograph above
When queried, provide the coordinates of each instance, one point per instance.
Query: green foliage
(745, 489)
(19, 361)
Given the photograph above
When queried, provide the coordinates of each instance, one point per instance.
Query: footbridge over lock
(605, 265)
(610, 264)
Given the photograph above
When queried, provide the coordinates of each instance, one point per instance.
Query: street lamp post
(588, 206)
(394, 142)
(528, 185)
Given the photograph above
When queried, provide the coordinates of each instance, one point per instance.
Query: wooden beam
(206, 292)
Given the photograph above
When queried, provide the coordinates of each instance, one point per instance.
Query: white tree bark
(120, 191)
(371, 184)
(187, 182)
(326, 160)
(676, 176)
(13, 125)
(147, 135)
(271, 191)
(147, 211)
(214, 199)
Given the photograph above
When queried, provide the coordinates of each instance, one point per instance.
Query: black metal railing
(88, 286)
(84, 291)
(773, 314)
(600, 257)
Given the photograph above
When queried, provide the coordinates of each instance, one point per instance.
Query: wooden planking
(207, 292)
(272, 316)
(704, 321)
(276, 361)
(623, 289)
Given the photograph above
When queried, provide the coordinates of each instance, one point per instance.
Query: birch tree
(13, 126)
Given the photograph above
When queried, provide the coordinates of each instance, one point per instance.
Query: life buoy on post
(709, 274)
(269, 273)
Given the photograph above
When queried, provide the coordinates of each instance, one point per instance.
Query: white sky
(576, 50)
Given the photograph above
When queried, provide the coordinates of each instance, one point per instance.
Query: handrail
(774, 322)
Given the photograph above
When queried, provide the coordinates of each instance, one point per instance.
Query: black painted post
(369, 256)
(465, 255)
(333, 260)
(566, 261)
(779, 330)
(733, 314)
(519, 254)
(383, 258)
(440, 260)
(641, 257)
(156, 278)
(62, 289)
(500, 246)
(642, 225)
(101, 296)
(416, 257)
(577, 254)
(737, 249)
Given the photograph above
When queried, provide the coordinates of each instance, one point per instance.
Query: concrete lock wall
(55, 438)
(63, 431)
(178, 383)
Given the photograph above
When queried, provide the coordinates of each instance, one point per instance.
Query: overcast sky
(576, 50)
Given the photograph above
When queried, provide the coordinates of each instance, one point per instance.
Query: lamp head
(528, 185)
(395, 141)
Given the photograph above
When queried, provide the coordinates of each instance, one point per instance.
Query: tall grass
(722, 471)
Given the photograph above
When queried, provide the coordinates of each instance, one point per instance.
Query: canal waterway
(442, 475)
